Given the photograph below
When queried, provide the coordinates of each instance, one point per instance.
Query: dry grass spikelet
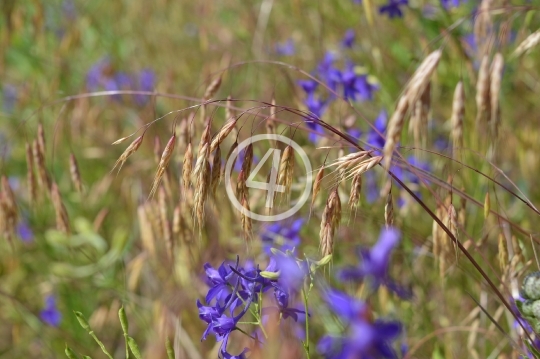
(223, 133)
(245, 219)
(177, 220)
(458, 112)
(44, 181)
(75, 173)
(202, 174)
(286, 169)
(356, 190)
(216, 171)
(145, 228)
(395, 125)
(345, 162)
(494, 91)
(531, 41)
(330, 220)
(62, 219)
(462, 213)
(453, 225)
(483, 28)
(365, 166)
(482, 93)
(163, 163)
(131, 149)
(248, 160)
(8, 199)
(503, 253)
(30, 175)
(317, 185)
(41, 139)
(420, 115)
(420, 81)
(241, 187)
(271, 121)
(212, 88)
(164, 219)
(187, 168)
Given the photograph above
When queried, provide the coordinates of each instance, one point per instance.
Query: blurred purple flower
(309, 86)
(25, 232)
(50, 314)
(146, 82)
(283, 235)
(348, 39)
(374, 263)
(451, 3)
(69, 10)
(240, 160)
(375, 137)
(392, 9)
(285, 48)
(9, 98)
(356, 87)
(95, 76)
(363, 339)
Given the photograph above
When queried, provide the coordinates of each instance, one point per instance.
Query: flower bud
(531, 308)
(270, 275)
(530, 288)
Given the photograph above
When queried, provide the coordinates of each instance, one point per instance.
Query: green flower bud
(134, 348)
(530, 288)
(82, 320)
(531, 308)
(123, 320)
(324, 260)
(70, 353)
(270, 275)
(170, 350)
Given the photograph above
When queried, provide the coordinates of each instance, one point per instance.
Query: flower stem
(306, 342)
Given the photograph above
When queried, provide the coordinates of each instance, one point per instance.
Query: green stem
(306, 342)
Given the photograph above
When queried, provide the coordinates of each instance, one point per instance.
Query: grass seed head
(62, 219)
(286, 170)
(458, 113)
(317, 185)
(212, 88)
(75, 174)
(44, 181)
(482, 93)
(531, 41)
(187, 168)
(356, 190)
(494, 92)
(163, 163)
(223, 133)
(216, 171)
(131, 149)
(330, 220)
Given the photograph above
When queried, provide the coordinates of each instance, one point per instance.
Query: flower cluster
(235, 291)
(102, 76)
(284, 235)
(350, 82)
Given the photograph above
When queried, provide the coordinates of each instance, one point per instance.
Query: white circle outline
(301, 200)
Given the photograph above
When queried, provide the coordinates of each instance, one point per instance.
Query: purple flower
(286, 48)
(362, 339)
(374, 263)
(348, 39)
(356, 87)
(146, 82)
(50, 314)
(284, 235)
(240, 160)
(25, 232)
(450, 3)
(94, 77)
(392, 9)
(375, 137)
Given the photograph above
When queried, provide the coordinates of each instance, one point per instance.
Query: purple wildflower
(284, 235)
(375, 261)
(348, 39)
(392, 9)
(95, 76)
(375, 135)
(356, 87)
(25, 232)
(450, 3)
(285, 48)
(50, 314)
(146, 82)
(363, 339)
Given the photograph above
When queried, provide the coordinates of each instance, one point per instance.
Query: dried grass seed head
(163, 163)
